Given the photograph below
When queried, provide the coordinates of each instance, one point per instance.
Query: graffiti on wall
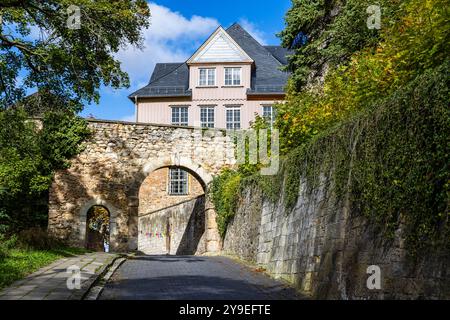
(154, 234)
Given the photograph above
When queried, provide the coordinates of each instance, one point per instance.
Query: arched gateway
(117, 159)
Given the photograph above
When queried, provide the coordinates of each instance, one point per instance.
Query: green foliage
(379, 125)
(414, 38)
(391, 160)
(18, 260)
(333, 31)
(64, 62)
(6, 245)
(225, 191)
(66, 66)
(28, 157)
(248, 169)
(400, 168)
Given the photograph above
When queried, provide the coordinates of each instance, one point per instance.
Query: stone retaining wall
(324, 249)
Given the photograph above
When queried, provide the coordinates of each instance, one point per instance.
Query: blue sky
(178, 28)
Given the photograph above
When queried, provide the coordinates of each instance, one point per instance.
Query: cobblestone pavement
(50, 282)
(191, 277)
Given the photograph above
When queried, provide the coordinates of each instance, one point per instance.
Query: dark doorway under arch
(98, 228)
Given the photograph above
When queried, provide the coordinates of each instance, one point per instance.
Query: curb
(80, 294)
(97, 286)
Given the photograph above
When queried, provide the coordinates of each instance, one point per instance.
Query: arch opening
(171, 212)
(184, 163)
(98, 221)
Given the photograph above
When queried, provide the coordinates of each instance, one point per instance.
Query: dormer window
(207, 77)
(232, 76)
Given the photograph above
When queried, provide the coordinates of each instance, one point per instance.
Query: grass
(18, 263)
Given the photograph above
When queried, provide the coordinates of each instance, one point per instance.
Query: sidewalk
(50, 282)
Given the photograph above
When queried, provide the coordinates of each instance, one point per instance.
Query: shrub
(225, 192)
(3, 253)
(6, 244)
(37, 238)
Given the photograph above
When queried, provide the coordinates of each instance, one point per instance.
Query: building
(222, 85)
(228, 80)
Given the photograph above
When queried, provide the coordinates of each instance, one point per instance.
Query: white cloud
(253, 30)
(171, 37)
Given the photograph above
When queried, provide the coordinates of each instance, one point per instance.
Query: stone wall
(110, 171)
(324, 249)
(178, 229)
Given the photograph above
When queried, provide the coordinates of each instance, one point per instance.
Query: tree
(44, 48)
(29, 154)
(41, 42)
(325, 33)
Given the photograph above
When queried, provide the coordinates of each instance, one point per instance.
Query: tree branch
(14, 43)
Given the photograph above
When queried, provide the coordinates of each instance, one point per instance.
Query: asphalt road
(192, 278)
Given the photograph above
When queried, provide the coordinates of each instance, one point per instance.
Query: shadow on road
(192, 278)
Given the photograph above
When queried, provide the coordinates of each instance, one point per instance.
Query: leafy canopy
(38, 50)
(29, 154)
(369, 109)
(414, 38)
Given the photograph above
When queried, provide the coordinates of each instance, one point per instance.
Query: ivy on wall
(378, 126)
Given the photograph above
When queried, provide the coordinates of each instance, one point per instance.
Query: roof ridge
(168, 63)
(259, 44)
(208, 42)
(166, 74)
(234, 23)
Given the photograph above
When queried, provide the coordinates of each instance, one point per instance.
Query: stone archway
(179, 161)
(177, 222)
(83, 215)
(110, 170)
(97, 229)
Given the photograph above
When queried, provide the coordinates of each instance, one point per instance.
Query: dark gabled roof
(172, 79)
(267, 76)
(162, 69)
(280, 53)
(168, 79)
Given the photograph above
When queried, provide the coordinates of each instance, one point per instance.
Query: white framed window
(233, 76)
(207, 116)
(269, 114)
(233, 114)
(178, 182)
(207, 77)
(180, 116)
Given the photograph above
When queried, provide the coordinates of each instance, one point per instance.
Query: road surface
(193, 278)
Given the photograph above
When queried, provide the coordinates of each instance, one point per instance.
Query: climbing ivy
(393, 161)
(225, 190)
(379, 125)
